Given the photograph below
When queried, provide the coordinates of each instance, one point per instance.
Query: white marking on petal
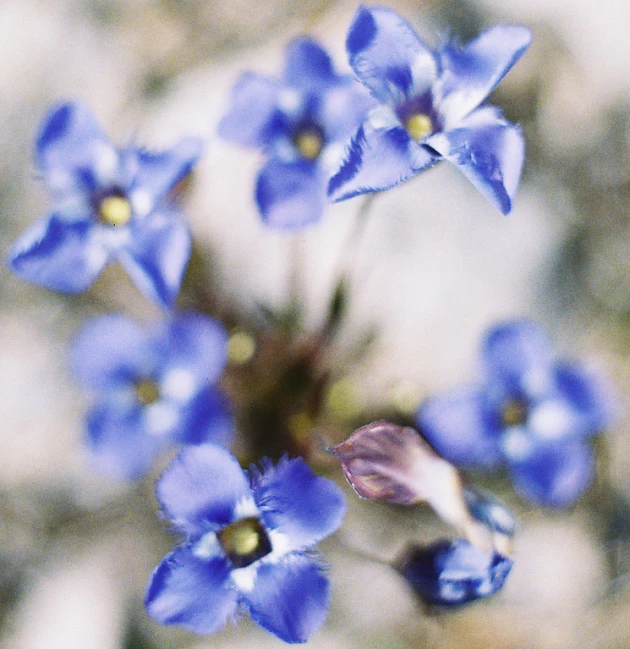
(422, 74)
(383, 116)
(450, 591)
(244, 578)
(290, 101)
(331, 156)
(207, 547)
(161, 417)
(485, 588)
(246, 508)
(454, 108)
(141, 201)
(178, 384)
(280, 545)
(551, 420)
(516, 444)
(106, 163)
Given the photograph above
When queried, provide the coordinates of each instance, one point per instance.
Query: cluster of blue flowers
(422, 107)
(248, 536)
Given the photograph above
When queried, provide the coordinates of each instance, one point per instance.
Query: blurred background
(432, 268)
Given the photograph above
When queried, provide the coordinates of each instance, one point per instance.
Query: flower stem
(346, 265)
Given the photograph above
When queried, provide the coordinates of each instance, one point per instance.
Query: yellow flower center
(309, 143)
(147, 391)
(514, 413)
(418, 126)
(244, 541)
(241, 348)
(114, 210)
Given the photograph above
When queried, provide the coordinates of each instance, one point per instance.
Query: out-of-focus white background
(433, 268)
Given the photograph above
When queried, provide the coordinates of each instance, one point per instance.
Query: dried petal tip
(452, 573)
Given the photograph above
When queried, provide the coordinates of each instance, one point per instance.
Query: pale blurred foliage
(433, 268)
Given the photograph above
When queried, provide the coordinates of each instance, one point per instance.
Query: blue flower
(452, 573)
(246, 544)
(154, 388)
(301, 122)
(108, 204)
(532, 413)
(430, 108)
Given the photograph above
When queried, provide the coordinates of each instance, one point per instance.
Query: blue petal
(201, 487)
(555, 418)
(72, 151)
(388, 57)
(110, 350)
(342, 109)
(458, 427)
(291, 195)
(469, 74)
(206, 419)
(488, 151)
(253, 111)
(377, 160)
(451, 573)
(290, 598)
(554, 475)
(119, 442)
(157, 173)
(157, 255)
(518, 355)
(297, 503)
(588, 394)
(191, 592)
(196, 344)
(60, 255)
(307, 64)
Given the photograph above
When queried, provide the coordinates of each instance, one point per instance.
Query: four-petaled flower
(109, 204)
(246, 544)
(533, 413)
(430, 108)
(302, 122)
(154, 388)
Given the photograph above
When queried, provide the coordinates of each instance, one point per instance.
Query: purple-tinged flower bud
(384, 461)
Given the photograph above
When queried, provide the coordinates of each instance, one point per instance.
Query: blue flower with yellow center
(431, 108)
(153, 388)
(532, 413)
(109, 204)
(247, 548)
(301, 122)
